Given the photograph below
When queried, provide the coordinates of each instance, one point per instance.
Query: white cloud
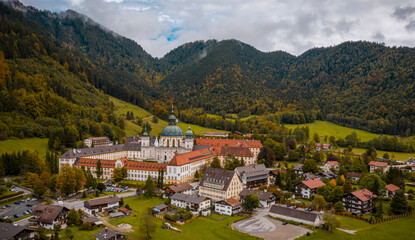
(269, 25)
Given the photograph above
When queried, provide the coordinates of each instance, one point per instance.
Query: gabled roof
(189, 157)
(276, 171)
(47, 213)
(353, 174)
(179, 187)
(102, 201)
(230, 202)
(252, 170)
(333, 163)
(221, 178)
(298, 167)
(313, 183)
(392, 188)
(235, 151)
(263, 196)
(378, 164)
(124, 210)
(364, 194)
(293, 213)
(9, 231)
(188, 198)
(83, 152)
(229, 142)
(108, 233)
(161, 206)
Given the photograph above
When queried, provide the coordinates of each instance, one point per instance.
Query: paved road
(256, 224)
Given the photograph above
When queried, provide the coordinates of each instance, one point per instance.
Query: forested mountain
(358, 84)
(44, 87)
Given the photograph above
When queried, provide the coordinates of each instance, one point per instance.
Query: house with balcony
(362, 201)
(228, 207)
(98, 205)
(195, 203)
(253, 176)
(308, 188)
(331, 164)
(390, 190)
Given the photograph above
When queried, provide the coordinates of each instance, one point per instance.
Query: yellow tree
(333, 183)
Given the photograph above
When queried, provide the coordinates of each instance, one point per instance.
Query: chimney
(222, 171)
(106, 229)
(211, 173)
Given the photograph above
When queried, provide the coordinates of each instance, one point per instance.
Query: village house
(296, 215)
(127, 212)
(308, 188)
(219, 184)
(14, 232)
(322, 146)
(47, 216)
(273, 174)
(109, 234)
(253, 176)
(361, 201)
(184, 188)
(98, 205)
(298, 169)
(390, 190)
(97, 142)
(195, 203)
(228, 207)
(352, 176)
(266, 199)
(160, 208)
(331, 164)
(381, 166)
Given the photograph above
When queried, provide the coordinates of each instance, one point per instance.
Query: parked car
(17, 202)
(7, 206)
(29, 205)
(295, 207)
(34, 199)
(3, 207)
(284, 223)
(16, 216)
(60, 203)
(288, 205)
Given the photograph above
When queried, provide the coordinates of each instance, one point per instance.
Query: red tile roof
(313, 183)
(333, 163)
(189, 157)
(235, 151)
(354, 174)
(233, 202)
(378, 164)
(124, 210)
(229, 142)
(133, 165)
(364, 195)
(391, 187)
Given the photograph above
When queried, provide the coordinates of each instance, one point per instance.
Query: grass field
(132, 129)
(396, 229)
(392, 155)
(200, 228)
(78, 234)
(36, 144)
(323, 128)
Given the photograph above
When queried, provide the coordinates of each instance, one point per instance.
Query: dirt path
(348, 231)
(126, 231)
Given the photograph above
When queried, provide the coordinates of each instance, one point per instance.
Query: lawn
(323, 128)
(132, 129)
(396, 229)
(392, 155)
(290, 164)
(36, 144)
(200, 228)
(78, 234)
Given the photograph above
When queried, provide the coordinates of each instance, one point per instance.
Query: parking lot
(12, 210)
(116, 188)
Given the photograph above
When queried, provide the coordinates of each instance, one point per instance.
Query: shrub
(86, 226)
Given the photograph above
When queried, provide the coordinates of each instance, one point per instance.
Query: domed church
(171, 142)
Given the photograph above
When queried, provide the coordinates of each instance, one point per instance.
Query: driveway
(262, 226)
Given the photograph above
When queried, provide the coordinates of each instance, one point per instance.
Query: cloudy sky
(268, 25)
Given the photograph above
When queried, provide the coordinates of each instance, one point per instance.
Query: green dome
(189, 133)
(172, 131)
